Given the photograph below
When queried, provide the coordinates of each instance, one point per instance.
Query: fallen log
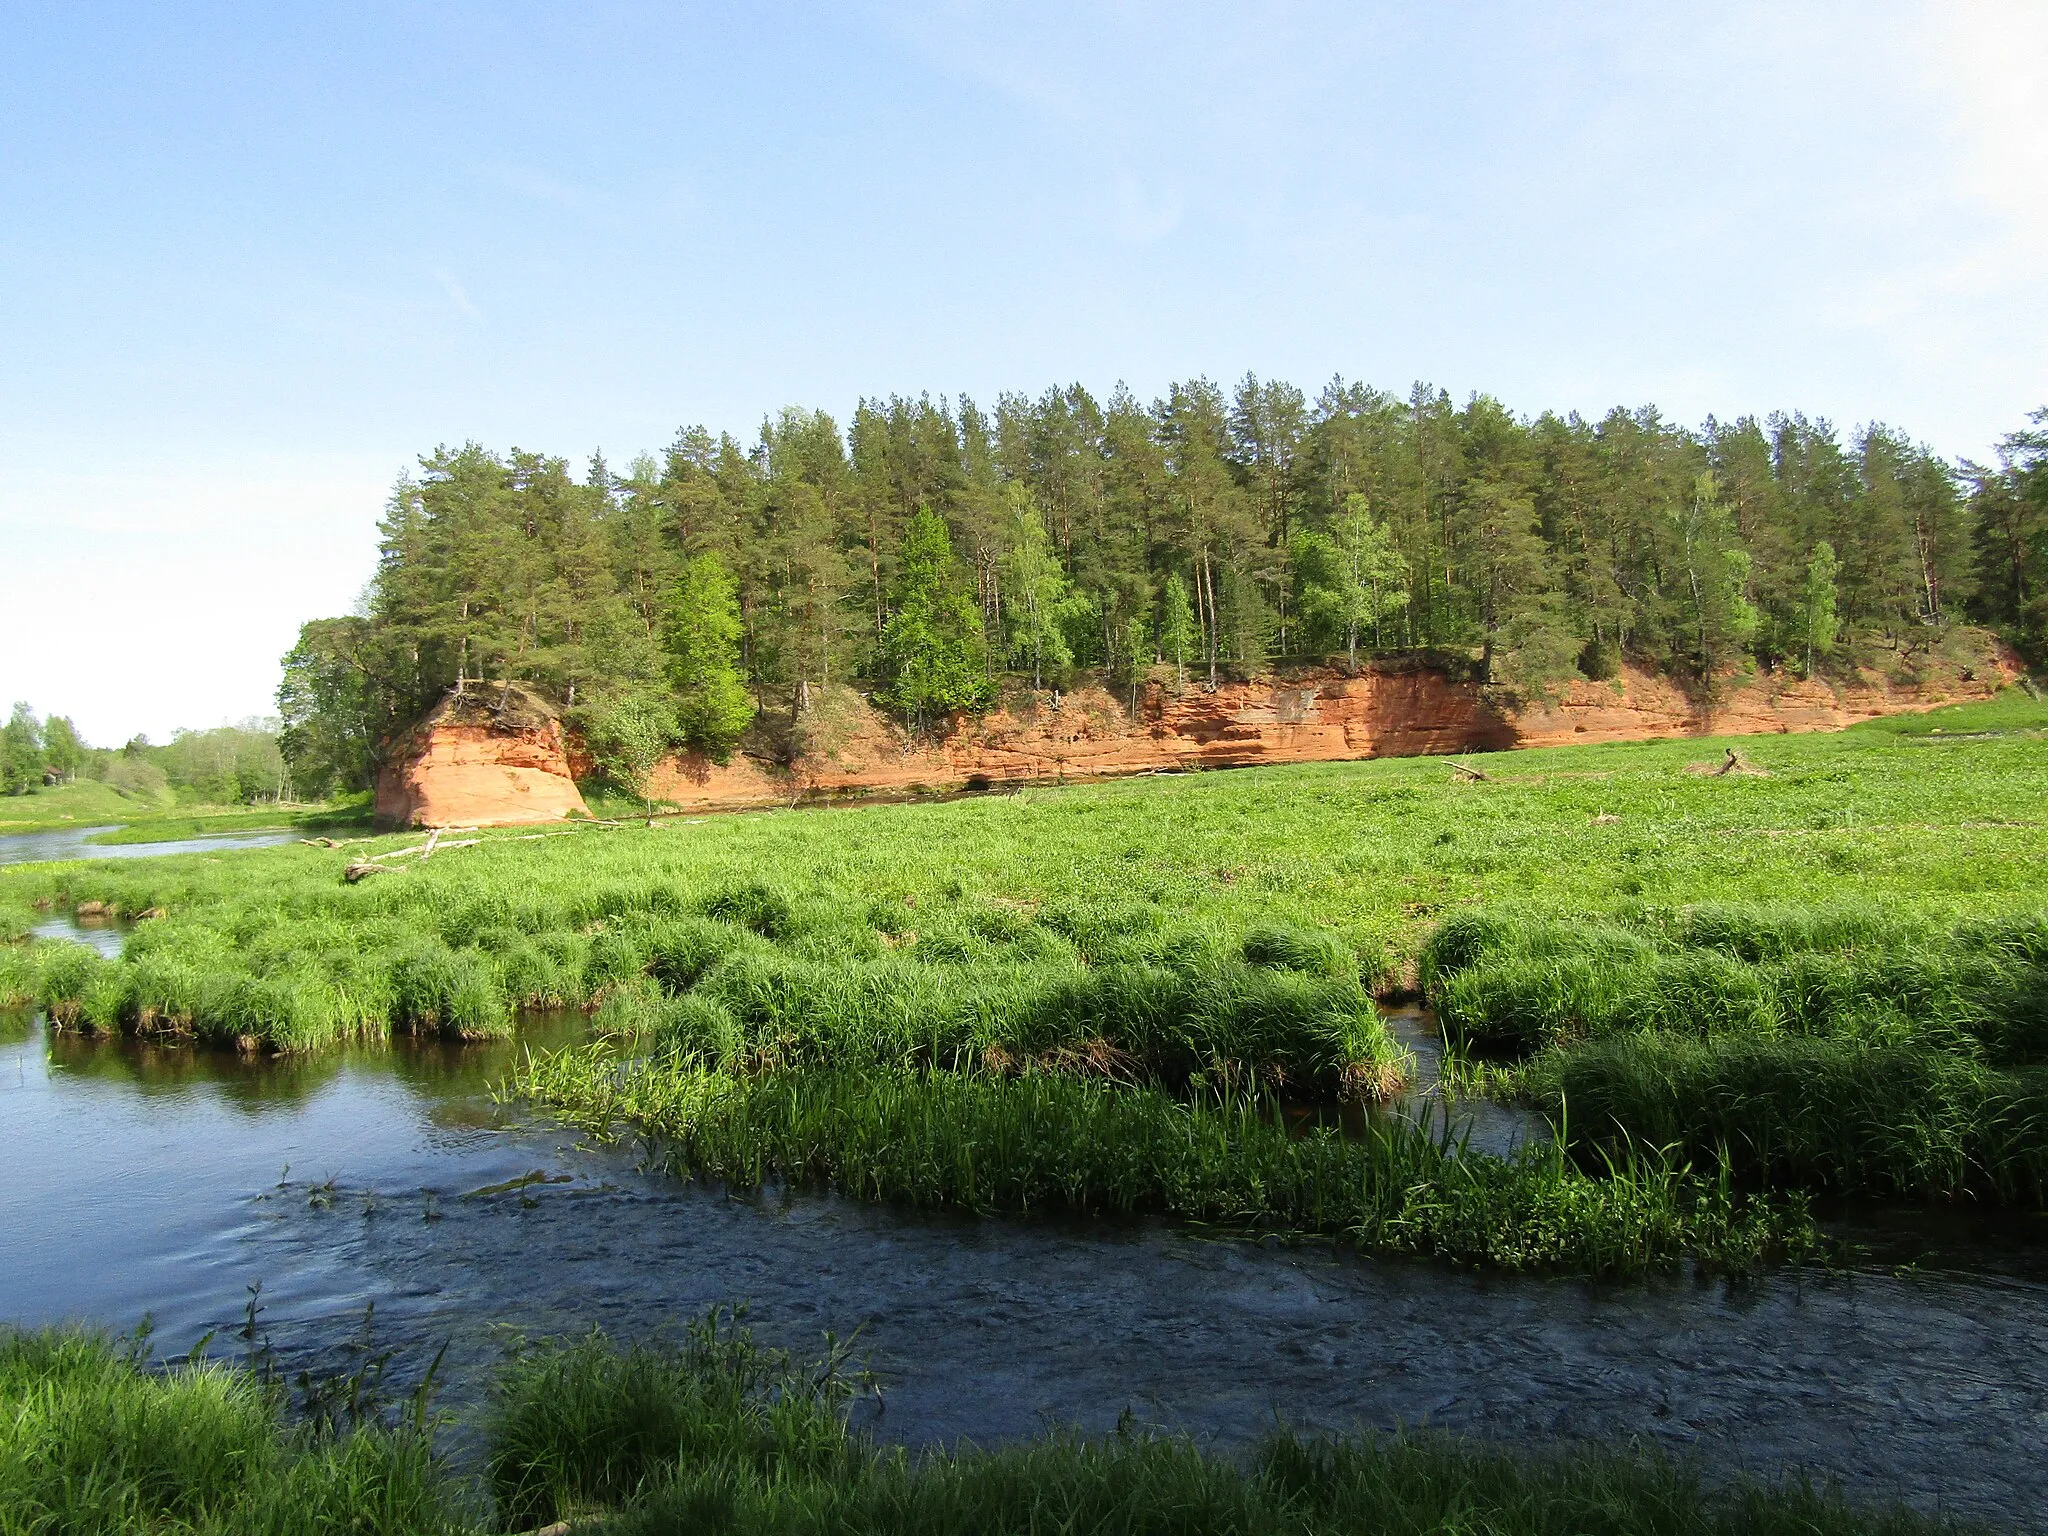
(1468, 774)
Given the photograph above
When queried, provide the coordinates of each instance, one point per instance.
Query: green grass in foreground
(720, 1434)
(92, 1444)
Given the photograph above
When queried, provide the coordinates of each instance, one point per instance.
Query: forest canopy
(934, 547)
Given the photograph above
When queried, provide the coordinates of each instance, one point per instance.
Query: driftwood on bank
(378, 863)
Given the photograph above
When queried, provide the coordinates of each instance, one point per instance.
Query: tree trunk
(1205, 595)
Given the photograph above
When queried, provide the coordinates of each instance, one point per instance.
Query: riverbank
(717, 1431)
(1157, 947)
(470, 762)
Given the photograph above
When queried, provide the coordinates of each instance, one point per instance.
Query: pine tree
(701, 640)
(1821, 622)
(1036, 590)
(1177, 632)
(931, 645)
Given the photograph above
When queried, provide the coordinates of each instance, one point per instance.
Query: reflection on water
(171, 1181)
(74, 843)
(105, 934)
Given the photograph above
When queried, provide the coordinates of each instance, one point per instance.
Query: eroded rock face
(464, 770)
(492, 758)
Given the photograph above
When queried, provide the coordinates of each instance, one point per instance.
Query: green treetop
(931, 647)
(702, 644)
(1819, 607)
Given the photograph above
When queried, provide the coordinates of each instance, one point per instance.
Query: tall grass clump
(437, 990)
(719, 1433)
(1827, 1116)
(1977, 988)
(1137, 1019)
(17, 921)
(1044, 1142)
(20, 972)
(580, 1426)
(92, 1443)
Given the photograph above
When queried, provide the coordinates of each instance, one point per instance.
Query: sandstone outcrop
(845, 746)
(491, 756)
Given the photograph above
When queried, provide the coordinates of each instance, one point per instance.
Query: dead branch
(1733, 764)
(1468, 774)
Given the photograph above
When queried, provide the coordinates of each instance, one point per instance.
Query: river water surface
(192, 1186)
(76, 843)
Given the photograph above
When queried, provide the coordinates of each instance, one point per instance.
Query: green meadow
(1824, 973)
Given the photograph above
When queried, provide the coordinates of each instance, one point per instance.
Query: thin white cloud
(1144, 215)
(457, 294)
(539, 186)
(1988, 61)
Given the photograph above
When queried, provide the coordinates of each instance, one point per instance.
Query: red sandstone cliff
(492, 757)
(846, 746)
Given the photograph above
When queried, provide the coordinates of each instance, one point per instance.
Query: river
(191, 1185)
(54, 843)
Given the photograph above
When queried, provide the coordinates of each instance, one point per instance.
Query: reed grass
(1043, 1142)
(581, 1426)
(92, 1444)
(17, 919)
(1163, 1486)
(1846, 971)
(1329, 871)
(1818, 1115)
(1847, 1049)
(748, 975)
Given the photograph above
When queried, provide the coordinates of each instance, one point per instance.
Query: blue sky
(254, 258)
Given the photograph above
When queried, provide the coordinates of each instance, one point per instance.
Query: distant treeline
(228, 765)
(934, 547)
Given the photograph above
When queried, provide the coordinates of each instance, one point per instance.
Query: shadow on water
(197, 1186)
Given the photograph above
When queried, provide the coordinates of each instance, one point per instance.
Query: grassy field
(1825, 973)
(149, 819)
(718, 1433)
(87, 803)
